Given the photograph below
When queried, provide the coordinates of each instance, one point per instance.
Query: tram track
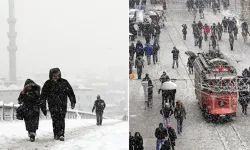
(222, 137)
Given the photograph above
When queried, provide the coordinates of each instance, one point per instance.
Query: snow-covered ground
(197, 133)
(80, 134)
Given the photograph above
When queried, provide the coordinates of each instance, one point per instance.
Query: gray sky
(70, 34)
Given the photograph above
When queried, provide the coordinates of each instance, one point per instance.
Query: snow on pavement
(106, 138)
(14, 135)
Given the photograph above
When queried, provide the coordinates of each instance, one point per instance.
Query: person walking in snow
(235, 32)
(138, 141)
(160, 134)
(131, 64)
(132, 50)
(164, 77)
(139, 64)
(166, 111)
(184, 31)
(206, 31)
(55, 91)
(149, 52)
(131, 142)
(225, 24)
(156, 48)
(231, 41)
(200, 39)
(180, 115)
(99, 107)
(175, 53)
(220, 30)
(172, 135)
(190, 66)
(243, 100)
(29, 109)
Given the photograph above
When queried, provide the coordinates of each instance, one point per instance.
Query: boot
(61, 138)
(32, 136)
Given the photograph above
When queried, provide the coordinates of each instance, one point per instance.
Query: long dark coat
(56, 94)
(138, 142)
(30, 101)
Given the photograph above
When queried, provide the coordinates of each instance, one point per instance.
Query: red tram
(215, 85)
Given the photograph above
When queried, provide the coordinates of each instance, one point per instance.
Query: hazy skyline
(68, 34)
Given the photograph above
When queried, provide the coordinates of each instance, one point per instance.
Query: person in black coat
(184, 31)
(131, 142)
(175, 52)
(132, 50)
(138, 141)
(99, 107)
(156, 48)
(160, 133)
(166, 111)
(29, 99)
(172, 135)
(55, 91)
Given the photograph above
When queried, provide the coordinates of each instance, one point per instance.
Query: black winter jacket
(56, 93)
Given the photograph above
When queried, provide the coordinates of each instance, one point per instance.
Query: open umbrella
(190, 53)
(168, 86)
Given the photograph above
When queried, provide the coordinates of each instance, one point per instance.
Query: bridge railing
(8, 113)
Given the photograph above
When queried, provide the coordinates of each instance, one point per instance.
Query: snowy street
(197, 133)
(80, 134)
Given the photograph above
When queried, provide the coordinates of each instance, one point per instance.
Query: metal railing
(8, 113)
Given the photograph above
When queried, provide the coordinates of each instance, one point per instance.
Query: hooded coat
(56, 93)
(138, 142)
(29, 99)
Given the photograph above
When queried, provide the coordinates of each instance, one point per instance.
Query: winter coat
(99, 106)
(172, 135)
(184, 30)
(245, 73)
(150, 89)
(167, 112)
(190, 63)
(175, 54)
(220, 29)
(131, 143)
(148, 50)
(131, 50)
(231, 39)
(200, 25)
(166, 145)
(29, 99)
(225, 22)
(139, 45)
(138, 142)
(156, 48)
(56, 93)
(180, 112)
(243, 98)
(161, 133)
(206, 29)
(139, 62)
(213, 30)
(235, 30)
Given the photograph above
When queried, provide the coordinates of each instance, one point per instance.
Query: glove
(44, 112)
(73, 105)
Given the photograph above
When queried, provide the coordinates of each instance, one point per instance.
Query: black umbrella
(190, 53)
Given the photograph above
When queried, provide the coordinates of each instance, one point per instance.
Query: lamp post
(12, 48)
